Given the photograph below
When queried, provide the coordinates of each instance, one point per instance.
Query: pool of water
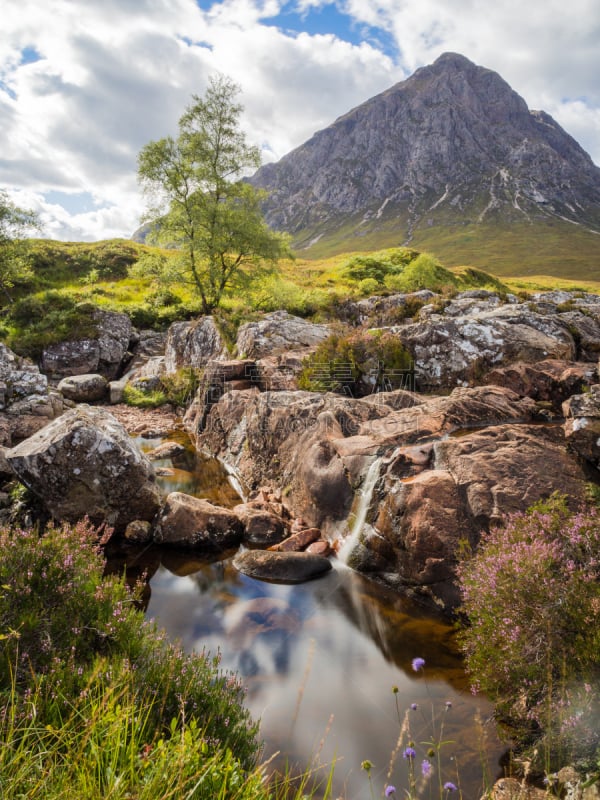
(320, 661)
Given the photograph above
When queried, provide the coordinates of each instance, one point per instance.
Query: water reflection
(320, 659)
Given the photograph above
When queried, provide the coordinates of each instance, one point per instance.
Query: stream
(322, 660)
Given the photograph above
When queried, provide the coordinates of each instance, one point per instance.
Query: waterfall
(360, 509)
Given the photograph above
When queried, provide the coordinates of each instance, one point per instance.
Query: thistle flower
(450, 787)
(418, 663)
(409, 753)
(390, 790)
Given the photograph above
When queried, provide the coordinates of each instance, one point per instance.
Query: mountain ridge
(452, 147)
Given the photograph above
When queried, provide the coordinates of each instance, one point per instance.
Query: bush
(424, 272)
(68, 630)
(357, 365)
(532, 598)
(47, 318)
(378, 265)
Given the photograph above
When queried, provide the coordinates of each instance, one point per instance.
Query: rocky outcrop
(85, 464)
(459, 350)
(549, 381)
(104, 353)
(582, 424)
(276, 333)
(187, 521)
(266, 565)
(83, 388)
(193, 344)
(26, 402)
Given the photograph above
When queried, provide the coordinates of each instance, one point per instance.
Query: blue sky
(84, 85)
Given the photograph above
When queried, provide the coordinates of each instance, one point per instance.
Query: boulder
(266, 565)
(550, 381)
(19, 378)
(193, 344)
(458, 350)
(298, 541)
(139, 531)
(83, 388)
(84, 464)
(188, 521)
(582, 424)
(276, 333)
(421, 520)
(104, 353)
(261, 526)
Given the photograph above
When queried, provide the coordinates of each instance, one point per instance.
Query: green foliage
(199, 202)
(39, 320)
(180, 387)
(377, 266)
(357, 365)
(139, 397)
(67, 625)
(15, 269)
(532, 598)
(423, 272)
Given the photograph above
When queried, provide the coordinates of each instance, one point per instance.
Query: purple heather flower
(426, 768)
(449, 786)
(418, 663)
(390, 790)
(409, 752)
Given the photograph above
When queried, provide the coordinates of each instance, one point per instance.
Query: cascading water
(362, 502)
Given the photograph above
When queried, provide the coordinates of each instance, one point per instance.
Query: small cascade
(360, 509)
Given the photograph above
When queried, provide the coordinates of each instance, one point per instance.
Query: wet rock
(266, 565)
(276, 333)
(166, 450)
(298, 541)
(138, 531)
(83, 388)
(187, 521)
(320, 548)
(193, 344)
(261, 526)
(85, 464)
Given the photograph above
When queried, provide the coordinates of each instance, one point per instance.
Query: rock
(422, 520)
(6, 471)
(279, 373)
(83, 388)
(85, 464)
(452, 351)
(550, 380)
(103, 354)
(276, 333)
(586, 333)
(193, 344)
(165, 450)
(320, 548)
(139, 531)
(260, 526)
(266, 565)
(582, 424)
(187, 521)
(298, 541)
(19, 378)
(514, 789)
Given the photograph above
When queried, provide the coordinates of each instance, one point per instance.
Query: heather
(532, 598)
(93, 700)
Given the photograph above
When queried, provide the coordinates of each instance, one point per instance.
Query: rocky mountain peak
(452, 142)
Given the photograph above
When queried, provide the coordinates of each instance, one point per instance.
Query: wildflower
(418, 663)
(450, 787)
(366, 765)
(448, 704)
(390, 790)
(426, 768)
(409, 752)
(395, 689)
(413, 706)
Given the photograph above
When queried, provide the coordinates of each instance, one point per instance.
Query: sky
(85, 84)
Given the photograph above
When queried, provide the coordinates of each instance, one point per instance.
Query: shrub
(378, 265)
(358, 365)
(424, 272)
(69, 630)
(532, 597)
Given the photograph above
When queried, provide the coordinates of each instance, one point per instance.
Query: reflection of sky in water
(334, 647)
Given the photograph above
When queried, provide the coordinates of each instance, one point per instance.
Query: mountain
(452, 160)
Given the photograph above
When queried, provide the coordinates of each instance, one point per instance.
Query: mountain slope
(450, 154)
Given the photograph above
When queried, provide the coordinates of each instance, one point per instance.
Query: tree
(15, 222)
(199, 202)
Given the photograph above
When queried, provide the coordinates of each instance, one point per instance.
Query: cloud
(83, 85)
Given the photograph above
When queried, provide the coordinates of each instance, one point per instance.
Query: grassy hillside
(551, 247)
